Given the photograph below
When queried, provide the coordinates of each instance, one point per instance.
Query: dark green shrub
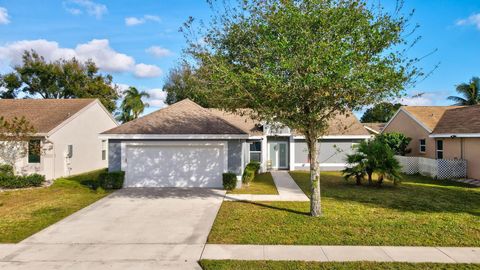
(229, 181)
(20, 181)
(255, 166)
(6, 169)
(250, 171)
(89, 179)
(111, 180)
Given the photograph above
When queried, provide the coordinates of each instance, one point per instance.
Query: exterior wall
(82, 132)
(405, 124)
(235, 157)
(23, 167)
(331, 157)
(471, 153)
(452, 148)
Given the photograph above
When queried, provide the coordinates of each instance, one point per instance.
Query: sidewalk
(342, 253)
(287, 189)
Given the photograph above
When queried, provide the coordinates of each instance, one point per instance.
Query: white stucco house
(186, 145)
(66, 141)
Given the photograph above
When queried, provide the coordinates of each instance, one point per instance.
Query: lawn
(262, 184)
(267, 265)
(293, 265)
(419, 212)
(25, 212)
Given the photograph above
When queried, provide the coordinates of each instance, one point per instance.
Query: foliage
(132, 105)
(59, 79)
(111, 180)
(89, 179)
(469, 92)
(6, 169)
(183, 83)
(14, 134)
(374, 156)
(381, 112)
(229, 181)
(398, 142)
(262, 184)
(250, 171)
(300, 63)
(20, 181)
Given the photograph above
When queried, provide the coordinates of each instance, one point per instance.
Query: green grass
(25, 212)
(262, 184)
(293, 265)
(419, 212)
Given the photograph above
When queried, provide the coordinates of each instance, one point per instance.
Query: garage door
(175, 165)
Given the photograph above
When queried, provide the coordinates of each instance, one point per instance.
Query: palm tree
(132, 105)
(469, 91)
(356, 168)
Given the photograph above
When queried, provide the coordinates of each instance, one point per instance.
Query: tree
(182, 83)
(132, 105)
(398, 142)
(301, 62)
(381, 112)
(356, 168)
(469, 93)
(14, 135)
(59, 79)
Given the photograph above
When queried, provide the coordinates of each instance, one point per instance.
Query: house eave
(455, 135)
(174, 136)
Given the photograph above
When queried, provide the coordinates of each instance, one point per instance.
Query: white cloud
(158, 51)
(4, 18)
(147, 71)
(132, 21)
(474, 19)
(157, 98)
(419, 99)
(77, 7)
(98, 50)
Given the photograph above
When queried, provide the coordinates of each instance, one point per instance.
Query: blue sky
(138, 41)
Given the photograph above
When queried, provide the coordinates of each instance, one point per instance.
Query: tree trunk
(315, 202)
(359, 181)
(369, 177)
(380, 179)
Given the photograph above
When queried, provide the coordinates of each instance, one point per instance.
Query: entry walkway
(287, 189)
(342, 253)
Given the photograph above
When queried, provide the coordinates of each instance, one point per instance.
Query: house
(186, 145)
(374, 128)
(443, 133)
(66, 140)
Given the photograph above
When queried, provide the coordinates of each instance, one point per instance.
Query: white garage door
(175, 164)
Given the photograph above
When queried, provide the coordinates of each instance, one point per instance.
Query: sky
(138, 42)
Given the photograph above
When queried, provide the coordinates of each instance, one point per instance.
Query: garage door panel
(175, 166)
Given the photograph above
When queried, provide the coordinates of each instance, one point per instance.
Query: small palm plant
(356, 168)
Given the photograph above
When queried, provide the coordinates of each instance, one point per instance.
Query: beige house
(441, 132)
(66, 140)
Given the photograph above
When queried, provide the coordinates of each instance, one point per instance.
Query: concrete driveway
(149, 227)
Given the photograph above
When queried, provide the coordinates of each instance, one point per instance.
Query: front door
(278, 155)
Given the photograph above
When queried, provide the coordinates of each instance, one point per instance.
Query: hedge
(229, 181)
(250, 171)
(20, 181)
(111, 180)
(6, 169)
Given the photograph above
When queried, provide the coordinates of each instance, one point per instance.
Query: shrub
(229, 181)
(20, 181)
(89, 179)
(111, 180)
(6, 169)
(250, 171)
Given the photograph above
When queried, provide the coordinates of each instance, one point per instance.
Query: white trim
(291, 153)
(420, 146)
(124, 146)
(75, 115)
(344, 137)
(172, 136)
(372, 130)
(409, 115)
(457, 135)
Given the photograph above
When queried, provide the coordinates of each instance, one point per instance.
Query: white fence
(436, 168)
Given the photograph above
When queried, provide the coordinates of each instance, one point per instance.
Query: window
(104, 149)
(423, 145)
(440, 149)
(34, 151)
(256, 151)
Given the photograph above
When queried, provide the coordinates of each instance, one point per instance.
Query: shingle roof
(242, 122)
(43, 114)
(184, 117)
(377, 127)
(428, 115)
(459, 120)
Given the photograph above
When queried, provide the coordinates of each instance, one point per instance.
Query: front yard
(25, 212)
(419, 212)
(261, 184)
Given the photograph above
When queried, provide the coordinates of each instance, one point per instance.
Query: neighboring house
(186, 145)
(374, 128)
(66, 140)
(442, 133)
